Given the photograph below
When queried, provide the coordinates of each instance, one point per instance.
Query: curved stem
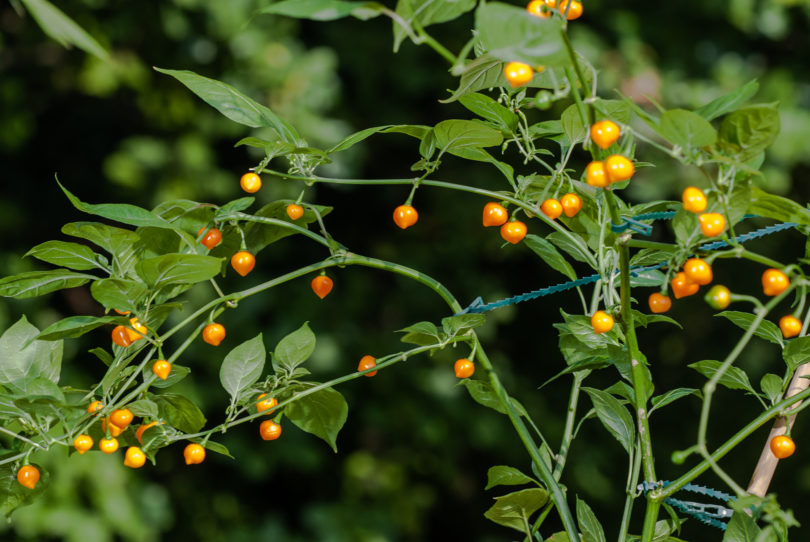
(498, 196)
(730, 444)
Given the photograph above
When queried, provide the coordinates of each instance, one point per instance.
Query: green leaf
(588, 524)
(218, 448)
(777, 207)
(235, 105)
(105, 357)
(741, 528)
(21, 355)
(421, 333)
(749, 131)
(614, 417)
(685, 226)
(324, 10)
(144, 408)
(38, 394)
(550, 255)
(572, 125)
(796, 352)
(744, 320)
(235, 206)
(179, 412)
(70, 255)
(573, 245)
(427, 12)
(242, 366)
(671, 396)
(489, 109)
(295, 348)
(617, 110)
(35, 283)
(510, 33)
(121, 294)
(322, 414)
(120, 212)
(771, 386)
(352, 140)
(734, 378)
(114, 240)
(62, 28)
(514, 509)
(686, 129)
(729, 102)
(483, 394)
(502, 475)
(75, 326)
(460, 134)
(178, 269)
(459, 324)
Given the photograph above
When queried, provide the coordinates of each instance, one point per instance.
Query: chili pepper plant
(138, 264)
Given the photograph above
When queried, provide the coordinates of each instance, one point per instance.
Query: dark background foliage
(415, 450)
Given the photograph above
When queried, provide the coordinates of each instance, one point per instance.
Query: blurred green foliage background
(415, 450)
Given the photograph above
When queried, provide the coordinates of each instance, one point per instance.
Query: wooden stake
(766, 466)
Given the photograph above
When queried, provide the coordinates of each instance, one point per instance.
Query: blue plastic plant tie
(710, 514)
(478, 306)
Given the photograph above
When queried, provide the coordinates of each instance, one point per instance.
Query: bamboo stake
(766, 466)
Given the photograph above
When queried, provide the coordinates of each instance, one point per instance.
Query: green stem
(497, 196)
(384, 363)
(773, 412)
(636, 362)
(20, 437)
(711, 385)
(557, 495)
(570, 421)
(650, 519)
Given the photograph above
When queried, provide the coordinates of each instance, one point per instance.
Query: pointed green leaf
(62, 28)
(777, 207)
(729, 102)
(766, 329)
(501, 475)
(459, 324)
(550, 255)
(686, 129)
(734, 378)
(120, 294)
(21, 355)
(460, 134)
(178, 269)
(36, 283)
(70, 255)
(514, 509)
(588, 524)
(489, 109)
(510, 33)
(235, 105)
(75, 326)
(179, 412)
(295, 348)
(614, 416)
(771, 386)
(324, 10)
(120, 212)
(796, 352)
(322, 414)
(671, 396)
(748, 131)
(242, 366)
(114, 240)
